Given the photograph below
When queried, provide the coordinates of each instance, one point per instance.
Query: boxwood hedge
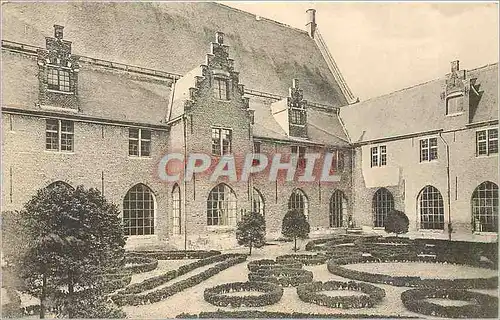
(256, 265)
(283, 276)
(306, 259)
(482, 305)
(252, 314)
(311, 292)
(271, 293)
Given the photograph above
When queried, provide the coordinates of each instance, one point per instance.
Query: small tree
(396, 222)
(251, 230)
(295, 226)
(71, 239)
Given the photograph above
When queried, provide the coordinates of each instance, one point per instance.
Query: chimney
(311, 22)
(455, 66)
(219, 37)
(58, 31)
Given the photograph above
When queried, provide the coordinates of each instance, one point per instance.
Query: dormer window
(454, 104)
(297, 116)
(220, 88)
(58, 79)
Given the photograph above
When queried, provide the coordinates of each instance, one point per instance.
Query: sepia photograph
(249, 159)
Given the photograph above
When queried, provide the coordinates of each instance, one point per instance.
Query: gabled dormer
(291, 112)
(58, 72)
(461, 94)
(215, 80)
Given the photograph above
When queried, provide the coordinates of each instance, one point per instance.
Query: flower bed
(311, 292)
(153, 282)
(283, 276)
(138, 299)
(483, 305)
(249, 314)
(306, 259)
(177, 254)
(266, 264)
(140, 263)
(335, 267)
(272, 293)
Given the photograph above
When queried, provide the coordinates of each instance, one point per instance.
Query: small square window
(59, 135)
(221, 141)
(378, 156)
(428, 149)
(139, 142)
(487, 142)
(58, 79)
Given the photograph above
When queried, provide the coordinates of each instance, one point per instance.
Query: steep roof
(416, 109)
(175, 37)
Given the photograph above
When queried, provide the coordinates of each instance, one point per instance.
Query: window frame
(297, 197)
(298, 116)
(484, 197)
(453, 97)
(176, 210)
(217, 93)
(219, 150)
(429, 149)
(51, 86)
(378, 156)
(151, 210)
(428, 209)
(69, 135)
(337, 212)
(488, 141)
(222, 211)
(140, 141)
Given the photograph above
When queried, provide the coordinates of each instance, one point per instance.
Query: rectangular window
(139, 142)
(453, 105)
(378, 156)
(58, 79)
(487, 142)
(59, 135)
(221, 141)
(297, 116)
(428, 149)
(220, 87)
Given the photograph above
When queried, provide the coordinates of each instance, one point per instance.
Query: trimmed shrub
(252, 314)
(285, 277)
(335, 267)
(295, 225)
(306, 259)
(482, 306)
(311, 292)
(272, 293)
(396, 222)
(176, 254)
(265, 264)
(165, 292)
(140, 263)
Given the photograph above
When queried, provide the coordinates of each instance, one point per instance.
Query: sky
(384, 47)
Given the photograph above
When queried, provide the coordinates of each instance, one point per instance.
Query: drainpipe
(185, 182)
(448, 184)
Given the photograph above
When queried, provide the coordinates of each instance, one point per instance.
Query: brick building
(101, 100)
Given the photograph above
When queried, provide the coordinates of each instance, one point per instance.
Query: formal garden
(342, 275)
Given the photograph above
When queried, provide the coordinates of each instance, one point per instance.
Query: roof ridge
(419, 84)
(261, 18)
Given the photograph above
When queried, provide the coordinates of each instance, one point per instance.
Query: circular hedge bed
(306, 259)
(285, 277)
(482, 306)
(311, 292)
(271, 293)
(335, 267)
(266, 264)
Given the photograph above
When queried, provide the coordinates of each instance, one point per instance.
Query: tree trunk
(250, 249)
(71, 290)
(43, 296)
(295, 244)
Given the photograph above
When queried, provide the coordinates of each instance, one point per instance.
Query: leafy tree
(251, 230)
(71, 239)
(396, 222)
(295, 226)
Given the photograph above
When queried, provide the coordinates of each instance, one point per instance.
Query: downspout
(448, 184)
(185, 182)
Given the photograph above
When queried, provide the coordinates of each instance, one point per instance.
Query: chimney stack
(311, 22)
(455, 66)
(58, 31)
(219, 37)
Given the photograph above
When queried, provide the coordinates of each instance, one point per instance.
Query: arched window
(485, 207)
(139, 211)
(257, 202)
(221, 206)
(338, 208)
(382, 203)
(176, 210)
(431, 208)
(298, 201)
(58, 184)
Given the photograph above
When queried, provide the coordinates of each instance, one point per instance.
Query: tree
(251, 230)
(72, 238)
(295, 226)
(396, 222)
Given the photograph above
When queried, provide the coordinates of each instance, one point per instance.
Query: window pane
(145, 134)
(67, 126)
(145, 148)
(66, 141)
(133, 133)
(133, 147)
